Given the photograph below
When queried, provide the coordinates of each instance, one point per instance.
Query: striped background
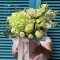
(8, 6)
(55, 32)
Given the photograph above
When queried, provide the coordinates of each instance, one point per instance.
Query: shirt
(42, 41)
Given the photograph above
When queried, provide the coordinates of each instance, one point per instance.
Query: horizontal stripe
(51, 2)
(6, 8)
(54, 33)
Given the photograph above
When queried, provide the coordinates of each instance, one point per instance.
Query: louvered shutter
(55, 32)
(6, 8)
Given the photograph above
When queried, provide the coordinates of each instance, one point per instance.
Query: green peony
(29, 28)
(39, 34)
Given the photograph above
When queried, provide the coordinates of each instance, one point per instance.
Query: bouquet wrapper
(25, 48)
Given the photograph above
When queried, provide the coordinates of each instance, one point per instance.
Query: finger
(16, 50)
(35, 51)
(38, 48)
(38, 52)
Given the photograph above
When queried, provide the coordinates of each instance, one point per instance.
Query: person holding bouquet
(29, 27)
(41, 52)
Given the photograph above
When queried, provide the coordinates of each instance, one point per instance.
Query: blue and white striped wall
(55, 32)
(8, 6)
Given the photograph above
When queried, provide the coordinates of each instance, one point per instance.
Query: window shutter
(6, 8)
(55, 32)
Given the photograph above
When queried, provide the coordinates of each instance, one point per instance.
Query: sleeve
(48, 39)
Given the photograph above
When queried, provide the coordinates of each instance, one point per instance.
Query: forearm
(15, 54)
(46, 51)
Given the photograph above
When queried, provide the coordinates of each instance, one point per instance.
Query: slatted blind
(55, 32)
(6, 8)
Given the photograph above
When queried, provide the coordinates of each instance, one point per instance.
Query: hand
(17, 49)
(16, 53)
(37, 50)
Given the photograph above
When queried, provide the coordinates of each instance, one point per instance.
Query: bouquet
(30, 22)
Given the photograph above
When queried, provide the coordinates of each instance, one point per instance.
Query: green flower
(29, 28)
(30, 36)
(39, 34)
(22, 34)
